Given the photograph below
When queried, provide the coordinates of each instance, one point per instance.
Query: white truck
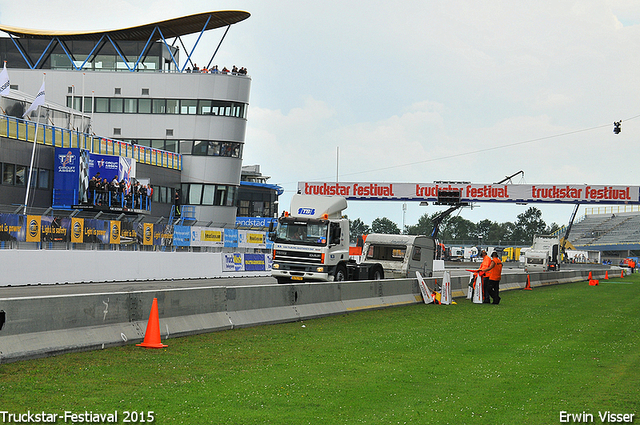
(543, 254)
(312, 244)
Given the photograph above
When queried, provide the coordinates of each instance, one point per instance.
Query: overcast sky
(417, 91)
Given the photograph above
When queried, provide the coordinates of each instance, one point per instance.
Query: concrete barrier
(42, 326)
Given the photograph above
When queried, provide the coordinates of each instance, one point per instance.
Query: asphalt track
(28, 291)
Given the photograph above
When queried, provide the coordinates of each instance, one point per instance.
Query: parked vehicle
(311, 243)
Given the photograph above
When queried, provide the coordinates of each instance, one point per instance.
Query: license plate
(296, 278)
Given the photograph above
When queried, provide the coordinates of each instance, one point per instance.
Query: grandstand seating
(606, 229)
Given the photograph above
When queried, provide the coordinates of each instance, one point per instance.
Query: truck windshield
(303, 233)
(386, 252)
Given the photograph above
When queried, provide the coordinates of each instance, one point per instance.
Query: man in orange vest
(494, 274)
(486, 263)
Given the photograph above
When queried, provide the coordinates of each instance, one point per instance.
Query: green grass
(569, 347)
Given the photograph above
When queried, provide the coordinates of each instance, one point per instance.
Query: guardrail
(20, 129)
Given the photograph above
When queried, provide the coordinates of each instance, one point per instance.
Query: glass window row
(193, 147)
(120, 105)
(208, 194)
(163, 194)
(17, 175)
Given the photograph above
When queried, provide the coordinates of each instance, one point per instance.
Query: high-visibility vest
(496, 272)
(485, 264)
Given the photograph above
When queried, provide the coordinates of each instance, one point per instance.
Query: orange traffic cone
(621, 274)
(594, 282)
(528, 287)
(152, 334)
(606, 275)
(590, 276)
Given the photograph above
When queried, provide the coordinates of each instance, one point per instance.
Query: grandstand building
(185, 129)
(613, 232)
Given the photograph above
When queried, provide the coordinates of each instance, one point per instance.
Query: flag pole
(33, 152)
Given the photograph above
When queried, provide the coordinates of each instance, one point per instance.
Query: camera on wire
(617, 127)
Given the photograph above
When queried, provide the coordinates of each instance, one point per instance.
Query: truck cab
(544, 254)
(311, 243)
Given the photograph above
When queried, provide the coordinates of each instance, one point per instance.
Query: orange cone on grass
(606, 275)
(528, 287)
(152, 334)
(590, 276)
(621, 274)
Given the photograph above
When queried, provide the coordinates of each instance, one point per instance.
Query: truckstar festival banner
(526, 193)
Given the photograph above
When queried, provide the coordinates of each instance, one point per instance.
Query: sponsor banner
(211, 237)
(230, 238)
(559, 193)
(254, 262)
(145, 233)
(251, 239)
(114, 236)
(33, 228)
(55, 229)
(162, 234)
(96, 231)
(66, 176)
(12, 227)
(128, 233)
(181, 235)
(77, 230)
(107, 165)
(254, 221)
(232, 262)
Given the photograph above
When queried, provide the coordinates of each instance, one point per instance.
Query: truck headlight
(275, 266)
(320, 269)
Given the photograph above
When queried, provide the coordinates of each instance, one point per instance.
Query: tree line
(455, 229)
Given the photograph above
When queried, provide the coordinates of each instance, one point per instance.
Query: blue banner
(230, 238)
(254, 262)
(12, 227)
(181, 235)
(66, 176)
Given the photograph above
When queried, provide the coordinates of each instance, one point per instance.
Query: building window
(145, 92)
(131, 106)
(102, 104)
(44, 179)
(173, 106)
(144, 106)
(8, 173)
(188, 107)
(21, 175)
(159, 106)
(116, 105)
(195, 194)
(208, 194)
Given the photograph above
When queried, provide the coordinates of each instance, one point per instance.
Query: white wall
(24, 267)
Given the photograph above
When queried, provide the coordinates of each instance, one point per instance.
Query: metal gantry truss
(106, 38)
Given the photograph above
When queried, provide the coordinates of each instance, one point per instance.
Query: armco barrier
(42, 326)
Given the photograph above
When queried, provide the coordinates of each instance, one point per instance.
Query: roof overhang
(171, 28)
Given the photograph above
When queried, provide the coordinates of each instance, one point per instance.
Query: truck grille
(298, 257)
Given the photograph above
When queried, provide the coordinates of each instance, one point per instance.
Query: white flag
(39, 100)
(4, 81)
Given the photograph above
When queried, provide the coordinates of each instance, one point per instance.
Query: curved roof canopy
(177, 27)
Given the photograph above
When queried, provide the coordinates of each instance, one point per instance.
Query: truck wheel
(376, 273)
(340, 274)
